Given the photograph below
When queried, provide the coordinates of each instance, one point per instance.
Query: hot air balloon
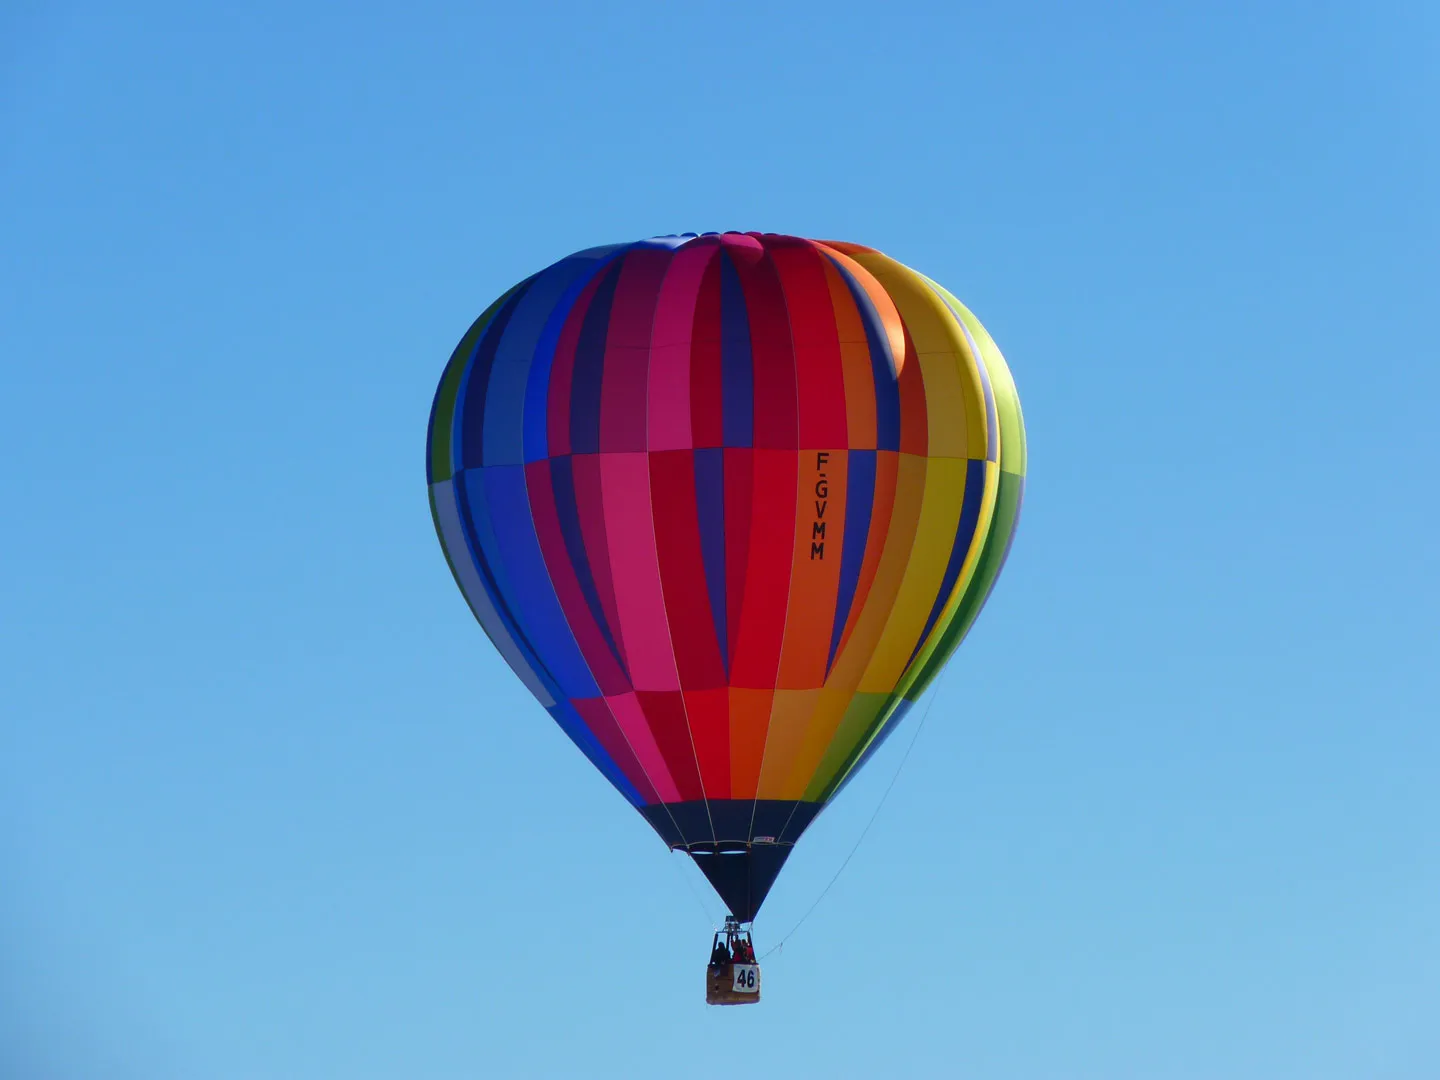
(726, 503)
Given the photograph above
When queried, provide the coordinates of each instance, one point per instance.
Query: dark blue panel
(505, 400)
(531, 594)
(859, 505)
(474, 513)
(710, 502)
(882, 365)
(469, 432)
(737, 371)
(537, 390)
(589, 374)
(573, 725)
(964, 537)
(562, 482)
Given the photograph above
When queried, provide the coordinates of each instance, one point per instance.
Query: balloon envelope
(726, 503)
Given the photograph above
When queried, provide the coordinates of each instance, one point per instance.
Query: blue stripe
(536, 425)
(505, 400)
(562, 481)
(471, 501)
(859, 505)
(531, 593)
(964, 539)
(710, 502)
(882, 365)
(573, 725)
(469, 421)
(589, 373)
(737, 371)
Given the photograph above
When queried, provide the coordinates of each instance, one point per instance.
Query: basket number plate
(747, 979)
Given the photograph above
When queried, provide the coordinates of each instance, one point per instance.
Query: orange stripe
(815, 569)
(854, 363)
(749, 721)
(884, 306)
(914, 417)
(851, 663)
(789, 721)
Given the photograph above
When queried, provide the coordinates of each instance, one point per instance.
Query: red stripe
(682, 569)
(773, 353)
(709, 712)
(567, 586)
(705, 394)
(627, 350)
(819, 370)
(755, 661)
(665, 714)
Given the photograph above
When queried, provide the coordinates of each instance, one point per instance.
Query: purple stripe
(964, 537)
(737, 373)
(589, 376)
(859, 505)
(710, 503)
(882, 364)
(562, 477)
(535, 426)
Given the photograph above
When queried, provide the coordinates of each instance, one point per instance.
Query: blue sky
(271, 806)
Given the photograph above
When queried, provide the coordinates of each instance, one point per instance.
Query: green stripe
(861, 720)
(987, 570)
(868, 713)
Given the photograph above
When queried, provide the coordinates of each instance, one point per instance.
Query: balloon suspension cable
(689, 884)
(878, 807)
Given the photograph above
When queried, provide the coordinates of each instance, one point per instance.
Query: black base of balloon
(728, 822)
(739, 844)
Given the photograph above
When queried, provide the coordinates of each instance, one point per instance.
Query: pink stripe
(743, 247)
(627, 350)
(669, 405)
(631, 719)
(635, 567)
(601, 722)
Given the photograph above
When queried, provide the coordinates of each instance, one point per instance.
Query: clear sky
(271, 807)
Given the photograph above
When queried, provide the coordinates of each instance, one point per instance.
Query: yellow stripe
(934, 540)
(1013, 451)
(850, 665)
(956, 406)
(865, 713)
(967, 574)
(789, 720)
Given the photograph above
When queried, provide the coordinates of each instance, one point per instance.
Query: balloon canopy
(726, 503)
